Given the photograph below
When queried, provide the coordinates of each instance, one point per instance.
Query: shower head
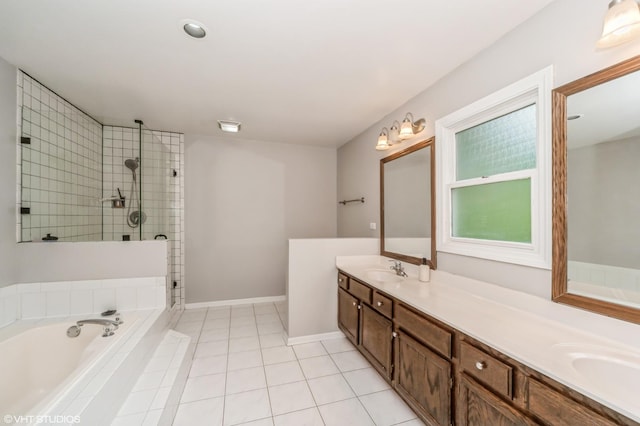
(131, 164)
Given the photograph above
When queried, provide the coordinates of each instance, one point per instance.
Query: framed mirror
(407, 204)
(596, 190)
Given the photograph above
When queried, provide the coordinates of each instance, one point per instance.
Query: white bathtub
(40, 366)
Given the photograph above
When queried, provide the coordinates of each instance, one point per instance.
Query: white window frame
(533, 89)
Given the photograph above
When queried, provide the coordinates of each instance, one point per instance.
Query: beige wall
(8, 270)
(563, 34)
(243, 201)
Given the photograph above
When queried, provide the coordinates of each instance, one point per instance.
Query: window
(494, 170)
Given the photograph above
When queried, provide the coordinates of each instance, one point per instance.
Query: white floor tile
(245, 380)
(242, 344)
(341, 344)
(268, 318)
(193, 315)
(218, 313)
(189, 326)
(348, 412)
(213, 335)
(286, 372)
(246, 406)
(193, 413)
(203, 387)
(247, 359)
(216, 323)
(330, 389)
(271, 340)
(277, 355)
(243, 331)
(318, 366)
(211, 349)
(414, 422)
(161, 398)
(264, 308)
(242, 311)
(208, 365)
(290, 397)
(308, 417)
(243, 321)
(365, 381)
(270, 328)
(137, 402)
(347, 361)
(309, 350)
(262, 422)
(386, 408)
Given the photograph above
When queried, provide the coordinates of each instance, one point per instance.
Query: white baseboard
(269, 299)
(313, 338)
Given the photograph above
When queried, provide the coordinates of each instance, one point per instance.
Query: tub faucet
(109, 326)
(397, 266)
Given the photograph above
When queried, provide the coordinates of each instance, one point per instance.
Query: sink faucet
(397, 266)
(109, 326)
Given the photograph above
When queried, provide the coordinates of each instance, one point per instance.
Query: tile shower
(69, 166)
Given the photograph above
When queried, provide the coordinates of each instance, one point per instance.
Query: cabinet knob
(354, 303)
(379, 303)
(359, 307)
(339, 280)
(394, 334)
(481, 365)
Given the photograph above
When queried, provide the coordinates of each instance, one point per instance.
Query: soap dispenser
(425, 271)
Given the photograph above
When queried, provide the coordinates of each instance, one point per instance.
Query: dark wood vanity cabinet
(423, 379)
(449, 378)
(376, 338)
(349, 315)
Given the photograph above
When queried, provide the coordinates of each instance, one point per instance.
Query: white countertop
(546, 336)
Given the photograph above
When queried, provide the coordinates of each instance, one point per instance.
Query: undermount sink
(616, 372)
(382, 275)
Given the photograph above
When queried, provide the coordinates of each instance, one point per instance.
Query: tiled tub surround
(100, 375)
(619, 285)
(61, 299)
(531, 330)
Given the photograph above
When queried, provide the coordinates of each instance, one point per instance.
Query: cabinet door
(479, 406)
(348, 315)
(423, 379)
(376, 340)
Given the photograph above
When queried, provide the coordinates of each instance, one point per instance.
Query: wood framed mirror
(407, 204)
(596, 192)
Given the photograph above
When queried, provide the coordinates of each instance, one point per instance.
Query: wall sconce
(398, 132)
(621, 23)
(409, 127)
(383, 140)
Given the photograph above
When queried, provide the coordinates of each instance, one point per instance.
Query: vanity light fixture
(229, 126)
(621, 23)
(394, 132)
(409, 128)
(383, 140)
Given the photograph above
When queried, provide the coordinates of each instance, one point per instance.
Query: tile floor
(244, 374)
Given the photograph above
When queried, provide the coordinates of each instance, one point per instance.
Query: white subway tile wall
(60, 168)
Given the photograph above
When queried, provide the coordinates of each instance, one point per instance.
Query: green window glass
(504, 144)
(498, 211)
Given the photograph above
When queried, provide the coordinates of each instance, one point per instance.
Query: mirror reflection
(407, 204)
(603, 191)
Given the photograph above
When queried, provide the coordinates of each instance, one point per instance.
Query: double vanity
(464, 352)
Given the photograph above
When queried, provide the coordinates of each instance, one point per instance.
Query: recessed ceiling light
(193, 28)
(575, 116)
(229, 126)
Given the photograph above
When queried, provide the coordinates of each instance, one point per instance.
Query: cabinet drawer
(382, 304)
(423, 329)
(343, 281)
(360, 291)
(556, 409)
(486, 369)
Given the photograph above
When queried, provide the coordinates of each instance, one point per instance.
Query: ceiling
(302, 72)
